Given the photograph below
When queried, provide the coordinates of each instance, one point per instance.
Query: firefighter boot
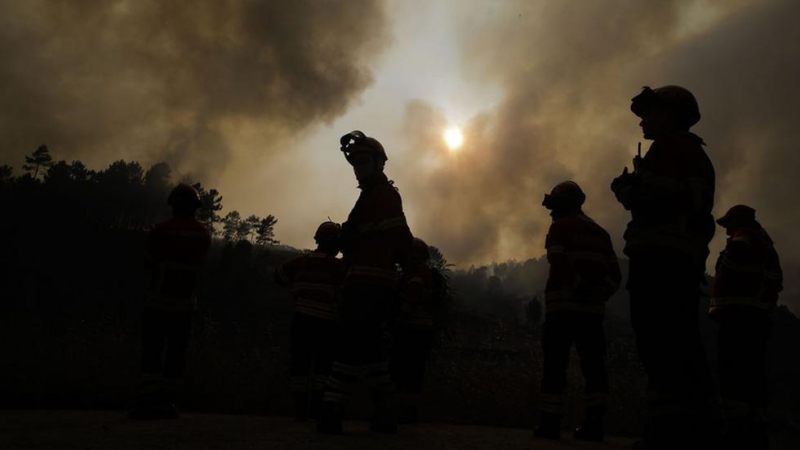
(407, 409)
(743, 433)
(592, 427)
(300, 406)
(330, 418)
(316, 404)
(154, 411)
(154, 401)
(549, 426)
(385, 418)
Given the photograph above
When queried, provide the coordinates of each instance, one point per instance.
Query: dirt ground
(89, 430)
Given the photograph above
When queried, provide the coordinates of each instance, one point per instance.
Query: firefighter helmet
(420, 250)
(184, 195)
(675, 98)
(564, 195)
(737, 214)
(358, 142)
(327, 232)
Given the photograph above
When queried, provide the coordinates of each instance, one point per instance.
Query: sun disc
(453, 138)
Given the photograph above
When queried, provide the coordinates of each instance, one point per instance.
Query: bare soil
(88, 430)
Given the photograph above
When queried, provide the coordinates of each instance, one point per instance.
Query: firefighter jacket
(423, 292)
(748, 272)
(176, 250)
(313, 279)
(584, 270)
(671, 198)
(375, 237)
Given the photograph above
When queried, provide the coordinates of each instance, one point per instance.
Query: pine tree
(211, 205)
(230, 225)
(265, 233)
(39, 159)
(6, 174)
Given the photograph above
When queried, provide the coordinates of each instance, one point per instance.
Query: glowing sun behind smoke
(453, 138)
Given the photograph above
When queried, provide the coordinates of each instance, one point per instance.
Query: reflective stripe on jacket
(584, 271)
(748, 272)
(423, 291)
(176, 250)
(375, 236)
(314, 279)
(672, 198)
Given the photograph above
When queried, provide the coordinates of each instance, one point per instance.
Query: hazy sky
(251, 97)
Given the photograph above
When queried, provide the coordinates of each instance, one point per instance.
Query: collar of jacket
(563, 214)
(756, 229)
(684, 134)
(379, 178)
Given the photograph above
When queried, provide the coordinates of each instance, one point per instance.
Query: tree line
(124, 195)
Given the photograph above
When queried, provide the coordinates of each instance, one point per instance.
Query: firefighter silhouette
(314, 279)
(176, 250)
(584, 274)
(670, 195)
(423, 289)
(375, 238)
(746, 286)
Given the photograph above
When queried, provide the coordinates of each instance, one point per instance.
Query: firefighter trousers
(362, 344)
(312, 347)
(742, 347)
(664, 292)
(411, 348)
(165, 337)
(561, 329)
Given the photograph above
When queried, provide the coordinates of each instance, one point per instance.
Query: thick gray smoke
(568, 70)
(178, 81)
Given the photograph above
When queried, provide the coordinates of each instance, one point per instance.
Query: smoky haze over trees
(567, 79)
(167, 81)
(71, 263)
(68, 195)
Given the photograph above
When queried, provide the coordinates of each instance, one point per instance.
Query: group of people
(369, 315)
(670, 194)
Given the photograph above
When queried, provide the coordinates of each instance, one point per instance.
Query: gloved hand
(347, 236)
(622, 187)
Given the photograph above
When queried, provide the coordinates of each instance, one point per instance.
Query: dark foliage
(72, 279)
(123, 195)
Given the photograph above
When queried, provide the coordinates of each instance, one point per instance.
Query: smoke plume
(568, 71)
(178, 81)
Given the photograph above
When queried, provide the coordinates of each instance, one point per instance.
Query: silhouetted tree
(231, 225)
(157, 177)
(212, 203)
(6, 174)
(157, 186)
(121, 173)
(80, 173)
(438, 261)
(265, 233)
(252, 226)
(122, 195)
(40, 158)
(58, 174)
(244, 230)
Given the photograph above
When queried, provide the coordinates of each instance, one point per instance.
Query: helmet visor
(642, 105)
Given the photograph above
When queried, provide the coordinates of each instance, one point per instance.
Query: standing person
(584, 274)
(176, 250)
(746, 286)
(423, 292)
(375, 239)
(314, 279)
(670, 195)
